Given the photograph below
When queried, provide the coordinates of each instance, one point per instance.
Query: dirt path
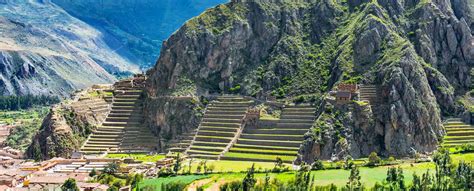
(196, 184)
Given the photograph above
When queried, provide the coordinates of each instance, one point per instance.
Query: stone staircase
(369, 93)
(219, 126)
(90, 106)
(181, 143)
(123, 129)
(265, 144)
(458, 133)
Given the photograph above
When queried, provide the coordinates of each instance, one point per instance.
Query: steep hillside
(52, 56)
(134, 28)
(418, 54)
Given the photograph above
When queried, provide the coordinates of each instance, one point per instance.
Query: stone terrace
(123, 129)
(266, 143)
(222, 121)
(458, 133)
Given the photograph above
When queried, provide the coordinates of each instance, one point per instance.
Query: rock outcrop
(417, 53)
(61, 133)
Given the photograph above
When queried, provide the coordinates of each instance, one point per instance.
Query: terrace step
(460, 133)
(225, 129)
(265, 147)
(294, 125)
(223, 112)
(225, 116)
(202, 152)
(200, 156)
(204, 148)
(275, 131)
(221, 120)
(216, 133)
(278, 143)
(215, 124)
(211, 144)
(232, 109)
(449, 138)
(264, 151)
(256, 157)
(273, 137)
(212, 139)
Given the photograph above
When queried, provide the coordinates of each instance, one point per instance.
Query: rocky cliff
(417, 53)
(52, 56)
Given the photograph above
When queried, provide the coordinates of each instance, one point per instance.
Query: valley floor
(228, 171)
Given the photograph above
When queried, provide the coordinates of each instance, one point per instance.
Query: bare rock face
(418, 54)
(169, 117)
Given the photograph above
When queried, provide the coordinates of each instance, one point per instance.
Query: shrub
(374, 159)
(317, 165)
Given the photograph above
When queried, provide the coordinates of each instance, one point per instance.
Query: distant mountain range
(136, 29)
(54, 47)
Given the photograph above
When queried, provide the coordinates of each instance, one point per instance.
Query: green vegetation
(27, 123)
(140, 157)
(445, 173)
(157, 184)
(218, 19)
(259, 156)
(13, 103)
(70, 185)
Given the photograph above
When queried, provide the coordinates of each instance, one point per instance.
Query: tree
(395, 178)
(416, 183)
(70, 185)
(111, 168)
(443, 164)
(317, 165)
(177, 164)
(92, 173)
(278, 162)
(374, 159)
(249, 181)
(463, 176)
(354, 179)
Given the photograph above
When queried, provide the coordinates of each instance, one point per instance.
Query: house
(343, 97)
(352, 88)
(7, 181)
(164, 162)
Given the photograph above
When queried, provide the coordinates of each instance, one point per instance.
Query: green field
(140, 157)
(26, 122)
(228, 166)
(155, 184)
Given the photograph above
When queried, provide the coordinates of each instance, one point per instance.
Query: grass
(369, 176)
(259, 156)
(156, 183)
(265, 151)
(235, 170)
(140, 157)
(229, 166)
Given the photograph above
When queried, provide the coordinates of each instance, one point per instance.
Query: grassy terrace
(140, 157)
(257, 157)
(218, 127)
(457, 133)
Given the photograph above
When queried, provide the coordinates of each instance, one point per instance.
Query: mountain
(418, 54)
(136, 29)
(44, 50)
(54, 47)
